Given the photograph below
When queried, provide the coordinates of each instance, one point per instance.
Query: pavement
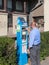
(43, 62)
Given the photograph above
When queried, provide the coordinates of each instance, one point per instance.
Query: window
(9, 20)
(33, 4)
(0, 4)
(9, 5)
(19, 6)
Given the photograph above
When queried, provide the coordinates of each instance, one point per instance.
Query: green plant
(44, 51)
(7, 51)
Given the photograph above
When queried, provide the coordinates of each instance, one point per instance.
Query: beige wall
(15, 16)
(46, 15)
(37, 12)
(3, 24)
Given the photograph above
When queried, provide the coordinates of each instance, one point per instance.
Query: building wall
(15, 16)
(3, 24)
(46, 15)
(37, 12)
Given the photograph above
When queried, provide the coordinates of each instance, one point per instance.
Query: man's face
(32, 24)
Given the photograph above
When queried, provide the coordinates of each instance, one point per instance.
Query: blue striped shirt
(34, 37)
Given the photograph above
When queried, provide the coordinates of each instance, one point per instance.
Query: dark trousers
(35, 55)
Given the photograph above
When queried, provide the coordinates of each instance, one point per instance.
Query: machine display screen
(23, 36)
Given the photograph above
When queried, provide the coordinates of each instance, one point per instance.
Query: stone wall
(46, 15)
(3, 24)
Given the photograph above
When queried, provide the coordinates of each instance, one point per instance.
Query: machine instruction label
(24, 48)
(18, 28)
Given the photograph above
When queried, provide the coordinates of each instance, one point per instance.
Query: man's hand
(28, 51)
(28, 29)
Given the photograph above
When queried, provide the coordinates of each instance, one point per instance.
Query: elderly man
(34, 44)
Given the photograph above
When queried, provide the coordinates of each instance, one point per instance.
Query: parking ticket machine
(22, 41)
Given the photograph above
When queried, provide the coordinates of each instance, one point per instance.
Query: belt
(34, 45)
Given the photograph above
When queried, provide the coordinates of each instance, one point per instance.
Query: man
(34, 44)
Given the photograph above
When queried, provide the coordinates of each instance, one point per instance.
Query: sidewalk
(43, 62)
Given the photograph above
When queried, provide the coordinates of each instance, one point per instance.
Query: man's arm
(31, 38)
(28, 29)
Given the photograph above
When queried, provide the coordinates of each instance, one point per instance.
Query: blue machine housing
(22, 41)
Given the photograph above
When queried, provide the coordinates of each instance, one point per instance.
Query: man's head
(33, 23)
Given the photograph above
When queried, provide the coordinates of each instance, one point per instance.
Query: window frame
(10, 24)
(2, 6)
(22, 7)
(9, 9)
